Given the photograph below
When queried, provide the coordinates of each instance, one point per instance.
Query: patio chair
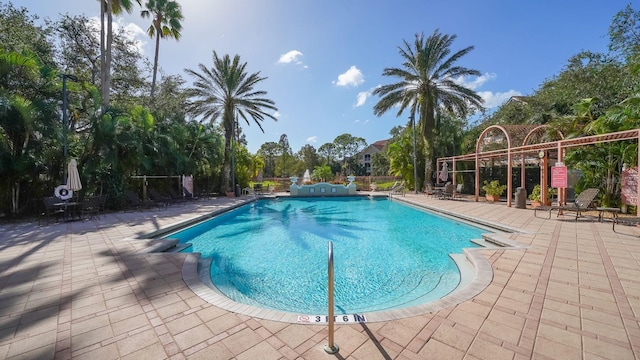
(447, 193)
(90, 207)
(102, 202)
(51, 210)
(457, 194)
(582, 203)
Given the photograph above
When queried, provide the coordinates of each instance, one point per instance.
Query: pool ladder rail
(331, 347)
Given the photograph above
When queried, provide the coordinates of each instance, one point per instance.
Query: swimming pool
(273, 254)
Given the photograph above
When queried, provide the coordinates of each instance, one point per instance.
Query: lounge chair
(581, 204)
(625, 220)
(188, 195)
(175, 196)
(158, 198)
(397, 189)
(135, 201)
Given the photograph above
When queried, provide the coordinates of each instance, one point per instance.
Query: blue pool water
(273, 253)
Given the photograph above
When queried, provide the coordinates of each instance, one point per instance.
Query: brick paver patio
(84, 290)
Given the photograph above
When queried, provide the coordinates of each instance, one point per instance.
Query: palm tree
(107, 9)
(428, 85)
(166, 23)
(227, 92)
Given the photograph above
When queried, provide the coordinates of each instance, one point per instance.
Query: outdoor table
(614, 212)
(69, 207)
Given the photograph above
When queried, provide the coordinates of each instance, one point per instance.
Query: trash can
(521, 198)
(237, 190)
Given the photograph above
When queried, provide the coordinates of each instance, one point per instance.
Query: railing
(331, 347)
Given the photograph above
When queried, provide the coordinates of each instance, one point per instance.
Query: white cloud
(365, 122)
(492, 99)
(475, 83)
(292, 56)
(352, 77)
(312, 139)
(133, 32)
(364, 95)
(276, 114)
(362, 98)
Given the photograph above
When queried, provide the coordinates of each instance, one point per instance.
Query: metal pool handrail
(331, 347)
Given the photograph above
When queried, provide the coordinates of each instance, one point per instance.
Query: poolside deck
(83, 290)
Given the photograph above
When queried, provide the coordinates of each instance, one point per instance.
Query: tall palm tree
(108, 8)
(225, 91)
(165, 24)
(428, 85)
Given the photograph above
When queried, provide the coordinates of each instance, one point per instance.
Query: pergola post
(477, 176)
(523, 178)
(453, 174)
(543, 177)
(562, 192)
(509, 177)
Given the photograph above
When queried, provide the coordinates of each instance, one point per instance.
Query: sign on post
(559, 176)
(629, 186)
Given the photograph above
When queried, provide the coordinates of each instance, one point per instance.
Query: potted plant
(536, 195)
(493, 190)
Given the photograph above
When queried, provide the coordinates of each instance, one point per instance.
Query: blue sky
(322, 58)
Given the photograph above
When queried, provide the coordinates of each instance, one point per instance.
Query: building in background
(365, 156)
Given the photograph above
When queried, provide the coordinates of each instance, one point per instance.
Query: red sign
(559, 176)
(629, 182)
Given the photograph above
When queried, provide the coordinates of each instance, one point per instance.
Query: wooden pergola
(528, 143)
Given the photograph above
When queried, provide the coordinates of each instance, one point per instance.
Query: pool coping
(476, 274)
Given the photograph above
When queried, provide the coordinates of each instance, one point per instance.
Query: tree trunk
(226, 168)
(15, 197)
(155, 64)
(106, 89)
(427, 118)
(103, 60)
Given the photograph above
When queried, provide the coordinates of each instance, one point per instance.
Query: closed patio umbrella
(306, 178)
(73, 177)
(444, 172)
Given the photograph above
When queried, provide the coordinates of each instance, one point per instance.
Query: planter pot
(492, 197)
(231, 194)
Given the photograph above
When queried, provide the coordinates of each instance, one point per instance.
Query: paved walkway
(84, 290)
